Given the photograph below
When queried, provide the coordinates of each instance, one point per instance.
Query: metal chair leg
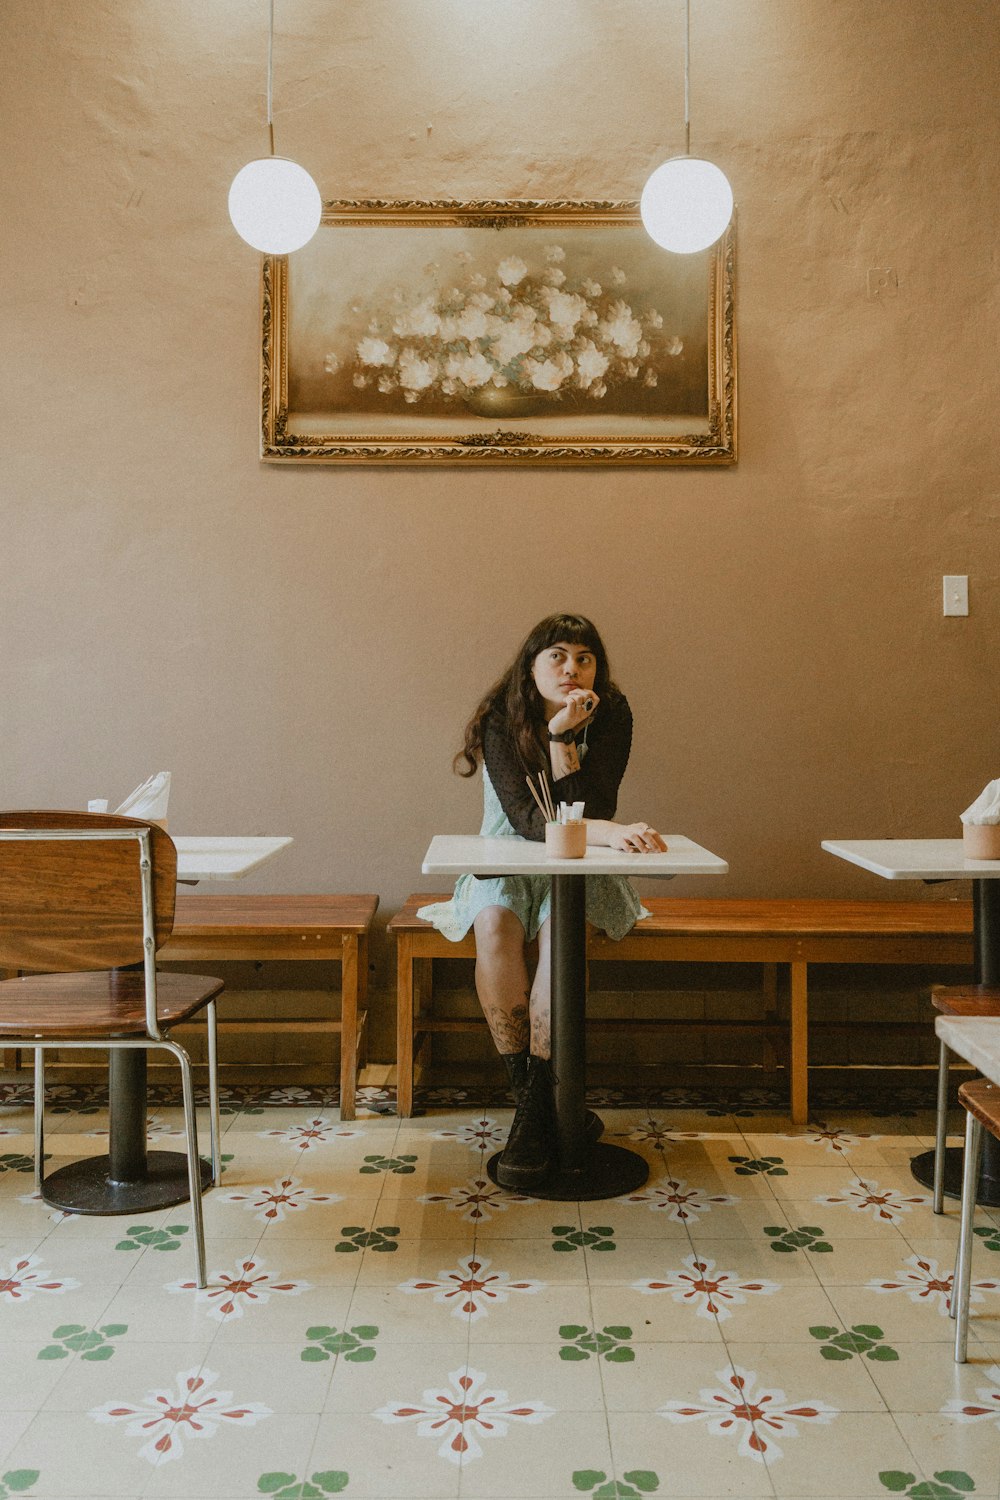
(941, 1128)
(213, 1095)
(39, 1118)
(961, 1285)
(194, 1161)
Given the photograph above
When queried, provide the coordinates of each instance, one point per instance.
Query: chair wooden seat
(982, 1099)
(108, 1003)
(966, 999)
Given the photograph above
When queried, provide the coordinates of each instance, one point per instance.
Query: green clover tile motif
(767, 1166)
(597, 1237)
(224, 1161)
(633, 1483)
(863, 1338)
(89, 1343)
(287, 1487)
(947, 1485)
(140, 1236)
(401, 1165)
(16, 1481)
(356, 1237)
(353, 1344)
(609, 1343)
(990, 1236)
(13, 1161)
(806, 1237)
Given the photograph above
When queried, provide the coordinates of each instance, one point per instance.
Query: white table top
(223, 858)
(914, 859)
(975, 1038)
(465, 854)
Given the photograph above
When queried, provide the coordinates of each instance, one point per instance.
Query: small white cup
(97, 805)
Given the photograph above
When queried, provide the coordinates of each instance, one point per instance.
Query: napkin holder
(981, 824)
(149, 801)
(566, 840)
(981, 840)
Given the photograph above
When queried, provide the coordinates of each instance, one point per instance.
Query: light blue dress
(612, 902)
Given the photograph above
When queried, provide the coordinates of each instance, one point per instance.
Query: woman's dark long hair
(517, 699)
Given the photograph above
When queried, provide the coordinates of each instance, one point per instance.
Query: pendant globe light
(273, 202)
(687, 203)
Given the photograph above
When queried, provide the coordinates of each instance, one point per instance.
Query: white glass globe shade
(686, 204)
(275, 205)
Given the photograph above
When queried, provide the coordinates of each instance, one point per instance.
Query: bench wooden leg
(404, 1026)
(353, 982)
(799, 1044)
(769, 985)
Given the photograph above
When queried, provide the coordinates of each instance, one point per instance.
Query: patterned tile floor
(766, 1316)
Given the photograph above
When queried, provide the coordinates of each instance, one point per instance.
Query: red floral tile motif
(985, 1409)
(471, 1289)
(837, 1141)
(478, 1135)
(712, 1293)
(888, 1205)
(24, 1277)
(922, 1281)
(477, 1200)
(737, 1409)
(156, 1129)
(314, 1133)
(462, 1413)
(277, 1202)
(680, 1202)
(166, 1419)
(231, 1293)
(54, 1215)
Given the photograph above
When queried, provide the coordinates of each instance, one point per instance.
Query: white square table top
(223, 858)
(976, 1038)
(470, 854)
(914, 859)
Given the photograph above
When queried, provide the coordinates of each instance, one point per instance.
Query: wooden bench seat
(713, 930)
(212, 929)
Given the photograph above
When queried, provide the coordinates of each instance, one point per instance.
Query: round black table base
(610, 1172)
(922, 1167)
(84, 1187)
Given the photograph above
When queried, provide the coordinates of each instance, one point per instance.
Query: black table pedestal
(129, 1180)
(986, 950)
(587, 1171)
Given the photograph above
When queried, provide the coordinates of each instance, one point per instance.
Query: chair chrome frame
(153, 1039)
(961, 1286)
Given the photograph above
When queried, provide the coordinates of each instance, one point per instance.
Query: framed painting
(497, 332)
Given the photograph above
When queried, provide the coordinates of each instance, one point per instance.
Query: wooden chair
(981, 1100)
(954, 1000)
(81, 897)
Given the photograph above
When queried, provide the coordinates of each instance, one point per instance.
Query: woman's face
(560, 668)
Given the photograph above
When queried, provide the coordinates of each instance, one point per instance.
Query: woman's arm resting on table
(628, 838)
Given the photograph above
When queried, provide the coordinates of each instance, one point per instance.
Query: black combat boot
(529, 1155)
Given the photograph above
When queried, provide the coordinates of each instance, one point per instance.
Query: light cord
(687, 77)
(270, 74)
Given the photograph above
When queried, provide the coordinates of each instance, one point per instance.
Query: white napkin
(148, 800)
(986, 808)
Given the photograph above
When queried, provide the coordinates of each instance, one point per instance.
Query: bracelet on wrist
(567, 737)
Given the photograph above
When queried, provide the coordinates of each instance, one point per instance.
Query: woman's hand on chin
(580, 706)
(636, 838)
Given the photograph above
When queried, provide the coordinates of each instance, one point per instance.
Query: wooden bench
(768, 932)
(213, 929)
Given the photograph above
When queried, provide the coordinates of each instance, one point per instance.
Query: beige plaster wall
(301, 646)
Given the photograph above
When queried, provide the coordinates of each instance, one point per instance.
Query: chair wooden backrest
(76, 904)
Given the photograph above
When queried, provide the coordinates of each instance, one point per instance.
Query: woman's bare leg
(502, 977)
(540, 1003)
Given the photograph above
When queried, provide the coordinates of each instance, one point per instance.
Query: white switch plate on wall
(956, 594)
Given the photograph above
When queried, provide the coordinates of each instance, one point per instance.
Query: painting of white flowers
(545, 333)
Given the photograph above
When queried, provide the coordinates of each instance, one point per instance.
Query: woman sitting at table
(556, 710)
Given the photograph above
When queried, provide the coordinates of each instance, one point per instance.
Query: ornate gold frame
(520, 443)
